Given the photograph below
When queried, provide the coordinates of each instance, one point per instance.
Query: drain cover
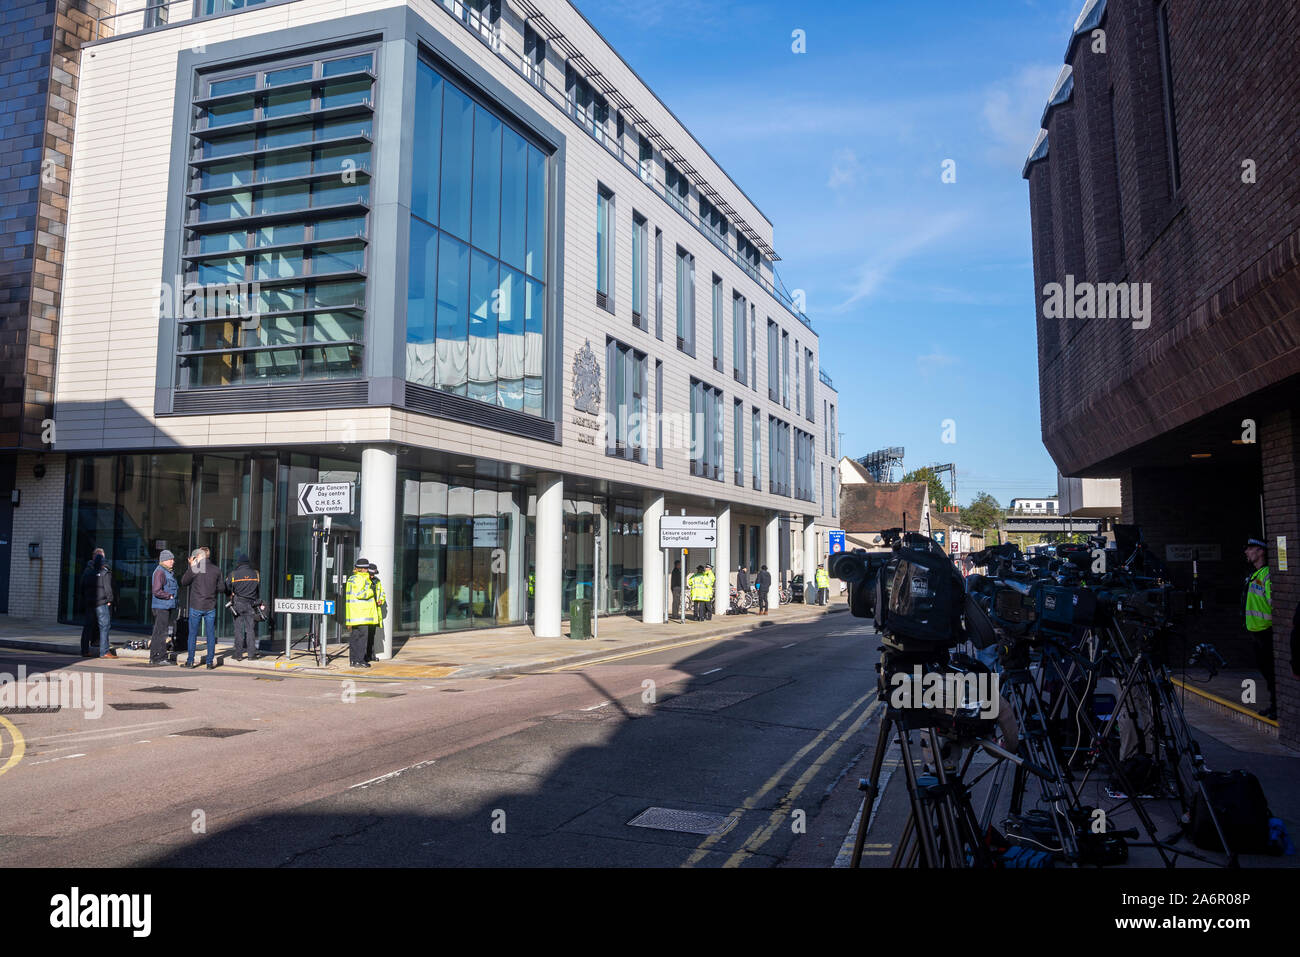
(380, 694)
(215, 732)
(141, 706)
(684, 822)
(163, 689)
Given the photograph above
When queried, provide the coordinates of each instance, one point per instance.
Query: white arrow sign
(688, 531)
(324, 498)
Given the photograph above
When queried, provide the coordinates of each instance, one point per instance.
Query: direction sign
(688, 531)
(303, 606)
(324, 498)
(836, 539)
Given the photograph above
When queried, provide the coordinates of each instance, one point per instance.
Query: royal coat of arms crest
(586, 381)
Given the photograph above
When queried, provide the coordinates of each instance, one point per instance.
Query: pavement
(462, 654)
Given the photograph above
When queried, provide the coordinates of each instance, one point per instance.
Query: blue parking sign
(836, 541)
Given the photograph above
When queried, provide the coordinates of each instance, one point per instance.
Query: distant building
(869, 508)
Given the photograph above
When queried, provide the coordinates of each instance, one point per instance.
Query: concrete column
(549, 556)
(652, 560)
(772, 558)
(722, 562)
(378, 524)
(810, 559)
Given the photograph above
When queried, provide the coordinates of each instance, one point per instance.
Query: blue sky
(922, 291)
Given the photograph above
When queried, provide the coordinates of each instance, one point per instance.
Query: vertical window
(797, 405)
(625, 390)
(826, 428)
(717, 323)
(534, 55)
(810, 394)
(638, 269)
(1167, 81)
(738, 441)
(755, 442)
(753, 348)
(685, 301)
(785, 369)
(773, 361)
(835, 436)
(749, 258)
(677, 189)
(604, 248)
(659, 414)
(739, 353)
(707, 430)
(659, 284)
(646, 159)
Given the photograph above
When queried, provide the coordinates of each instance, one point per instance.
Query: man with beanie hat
(245, 595)
(163, 589)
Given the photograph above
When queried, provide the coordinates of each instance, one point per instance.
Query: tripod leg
(872, 788)
(920, 813)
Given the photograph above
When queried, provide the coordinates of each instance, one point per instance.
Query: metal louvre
(445, 405)
(271, 398)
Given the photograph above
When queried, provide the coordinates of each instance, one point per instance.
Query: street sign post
(300, 606)
(324, 498)
(688, 531)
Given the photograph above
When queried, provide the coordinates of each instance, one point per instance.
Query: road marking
(791, 645)
(634, 654)
(19, 744)
(709, 672)
(763, 834)
(62, 757)
(391, 774)
(596, 707)
(749, 803)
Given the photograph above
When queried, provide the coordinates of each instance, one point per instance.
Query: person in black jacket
(676, 582)
(205, 583)
(763, 582)
(245, 595)
(97, 593)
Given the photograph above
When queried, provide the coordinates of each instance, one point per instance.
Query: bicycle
(785, 595)
(741, 601)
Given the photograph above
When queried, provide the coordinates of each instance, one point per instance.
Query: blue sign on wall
(836, 541)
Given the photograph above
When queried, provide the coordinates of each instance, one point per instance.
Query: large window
(659, 414)
(588, 107)
(659, 283)
(715, 224)
(638, 270)
(625, 400)
(810, 394)
(756, 444)
(778, 456)
(804, 448)
(646, 157)
(785, 369)
(475, 314)
(749, 257)
(677, 188)
(717, 323)
(276, 224)
(773, 361)
(605, 249)
(739, 333)
(685, 301)
(706, 430)
(738, 442)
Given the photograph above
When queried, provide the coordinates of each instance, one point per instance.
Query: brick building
(1163, 193)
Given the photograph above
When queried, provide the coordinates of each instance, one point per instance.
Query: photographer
(245, 598)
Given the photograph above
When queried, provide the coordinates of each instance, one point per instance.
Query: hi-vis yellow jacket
(361, 607)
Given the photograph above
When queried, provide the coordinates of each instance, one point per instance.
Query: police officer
(1259, 618)
(711, 581)
(381, 601)
(823, 585)
(245, 584)
(361, 613)
(698, 586)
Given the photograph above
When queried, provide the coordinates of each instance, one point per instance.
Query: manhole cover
(379, 694)
(48, 709)
(141, 706)
(163, 689)
(214, 732)
(684, 822)
(706, 700)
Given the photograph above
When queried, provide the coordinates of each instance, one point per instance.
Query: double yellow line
(781, 813)
(18, 748)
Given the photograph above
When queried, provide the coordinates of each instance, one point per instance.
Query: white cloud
(1012, 109)
(873, 273)
(845, 169)
(932, 362)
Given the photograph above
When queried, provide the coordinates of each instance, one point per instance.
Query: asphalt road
(750, 734)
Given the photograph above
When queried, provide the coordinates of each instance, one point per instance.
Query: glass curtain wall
(476, 291)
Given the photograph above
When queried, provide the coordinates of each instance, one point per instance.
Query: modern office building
(458, 256)
(1166, 246)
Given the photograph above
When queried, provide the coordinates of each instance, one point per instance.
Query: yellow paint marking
(19, 745)
(778, 817)
(748, 804)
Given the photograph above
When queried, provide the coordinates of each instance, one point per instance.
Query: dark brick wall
(39, 65)
(1222, 256)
